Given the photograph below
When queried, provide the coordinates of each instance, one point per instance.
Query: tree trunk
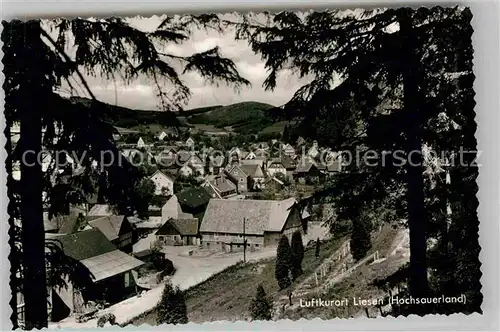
(418, 284)
(36, 93)
(11, 209)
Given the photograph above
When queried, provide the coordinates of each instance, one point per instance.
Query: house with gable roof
(112, 270)
(164, 184)
(227, 223)
(178, 232)
(220, 187)
(117, 229)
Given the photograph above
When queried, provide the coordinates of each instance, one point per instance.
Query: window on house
(161, 238)
(217, 242)
(238, 245)
(256, 245)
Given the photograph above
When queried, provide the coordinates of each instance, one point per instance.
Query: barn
(227, 223)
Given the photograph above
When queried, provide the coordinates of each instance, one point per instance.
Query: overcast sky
(141, 95)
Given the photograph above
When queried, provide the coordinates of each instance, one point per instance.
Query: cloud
(141, 94)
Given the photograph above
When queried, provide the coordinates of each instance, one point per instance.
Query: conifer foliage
(261, 306)
(283, 263)
(297, 254)
(360, 238)
(37, 64)
(172, 306)
(394, 94)
(318, 248)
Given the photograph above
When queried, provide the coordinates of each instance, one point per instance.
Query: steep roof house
(141, 143)
(111, 269)
(307, 168)
(275, 166)
(178, 232)
(173, 210)
(274, 184)
(161, 136)
(194, 201)
(255, 173)
(216, 164)
(164, 184)
(239, 177)
(288, 150)
(251, 155)
(220, 187)
(190, 142)
(117, 229)
(256, 161)
(188, 204)
(261, 223)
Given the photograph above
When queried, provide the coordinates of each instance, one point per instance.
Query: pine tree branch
(65, 56)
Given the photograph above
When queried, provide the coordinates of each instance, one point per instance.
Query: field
(244, 118)
(227, 295)
(275, 128)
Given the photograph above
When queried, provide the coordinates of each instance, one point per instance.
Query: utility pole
(244, 241)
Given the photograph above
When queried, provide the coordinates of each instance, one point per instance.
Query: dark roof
(288, 162)
(193, 197)
(85, 244)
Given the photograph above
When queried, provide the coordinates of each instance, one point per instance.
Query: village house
(227, 223)
(173, 210)
(117, 230)
(288, 150)
(237, 154)
(162, 135)
(141, 144)
(193, 201)
(313, 151)
(257, 161)
(251, 155)
(216, 164)
(146, 227)
(169, 132)
(220, 187)
(256, 175)
(166, 156)
(236, 174)
(275, 184)
(261, 154)
(261, 146)
(120, 133)
(190, 142)
(308, 170)
(178, 232)
(164, 184)
(187, 204)
(275, 166)
(112, 270)
(189, 163)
